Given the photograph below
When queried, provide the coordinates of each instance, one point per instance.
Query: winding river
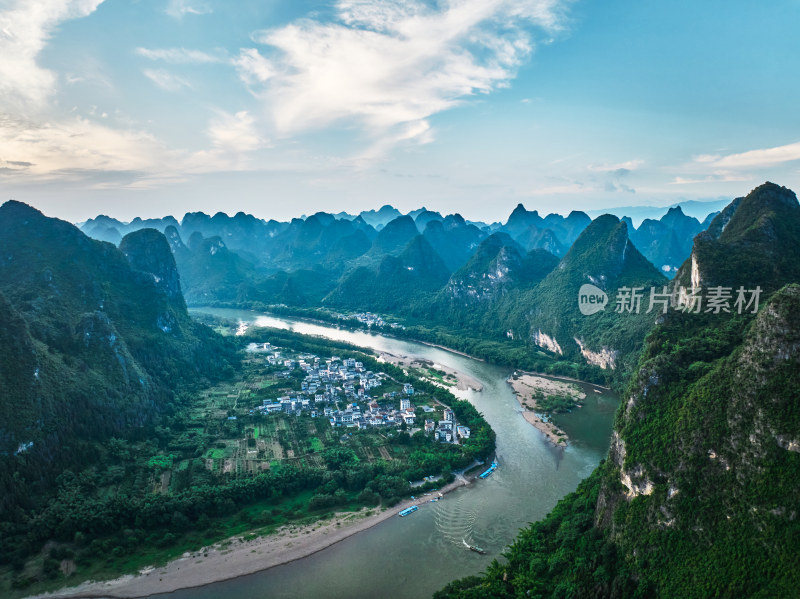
(413, 557)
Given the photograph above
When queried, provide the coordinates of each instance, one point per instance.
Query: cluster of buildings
(330, 384)
(447, 430)
(369, 319)
(336, 381)
(327, 382)
(375, 414)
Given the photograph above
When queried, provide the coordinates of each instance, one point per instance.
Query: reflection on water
(415, 556)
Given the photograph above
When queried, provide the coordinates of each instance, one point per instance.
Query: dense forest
(96, 343)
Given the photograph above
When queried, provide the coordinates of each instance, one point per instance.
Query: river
(413, 557)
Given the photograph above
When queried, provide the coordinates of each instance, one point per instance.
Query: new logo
(591, 299)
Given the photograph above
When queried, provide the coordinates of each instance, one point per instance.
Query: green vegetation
(131, 433)
(96, 343)
(399, 280)
(555, 404)
(216, 467)
(699, 495)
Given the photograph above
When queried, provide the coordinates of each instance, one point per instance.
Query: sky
(286, 107)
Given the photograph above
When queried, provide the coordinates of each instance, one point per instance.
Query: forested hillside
(698, 496)
(96, 341)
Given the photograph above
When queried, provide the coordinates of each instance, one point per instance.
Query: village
(369, 319)
(341, 391)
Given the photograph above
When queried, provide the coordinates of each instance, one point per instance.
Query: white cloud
(35, 143)
(181, 8)
(757, 158)
(715, 177)
(79, 149)
(388, 65)
(629, 165)
(418, 131)
(77, 144)
(39, 143)
(235, 132)
(25, 28)
(728, 168)
(252, 67)
(706, 158)
(166, 80)
(178, 55)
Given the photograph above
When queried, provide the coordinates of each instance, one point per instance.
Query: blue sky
(280, 108)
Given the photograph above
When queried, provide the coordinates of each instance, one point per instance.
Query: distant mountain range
(698, 209)
(432, 268)
(322, 237)
(333, 241)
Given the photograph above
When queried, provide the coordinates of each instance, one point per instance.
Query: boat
(489, 472)
(408, 510)
(474, 548)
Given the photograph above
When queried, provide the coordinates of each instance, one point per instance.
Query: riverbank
(389, 334)
(463, 382)
(527, 387)
(235, 557)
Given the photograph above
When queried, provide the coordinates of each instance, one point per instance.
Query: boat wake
(455, 522)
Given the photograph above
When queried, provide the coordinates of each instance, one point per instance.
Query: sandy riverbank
(236, 557)
(527, 386)
(463, 381)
